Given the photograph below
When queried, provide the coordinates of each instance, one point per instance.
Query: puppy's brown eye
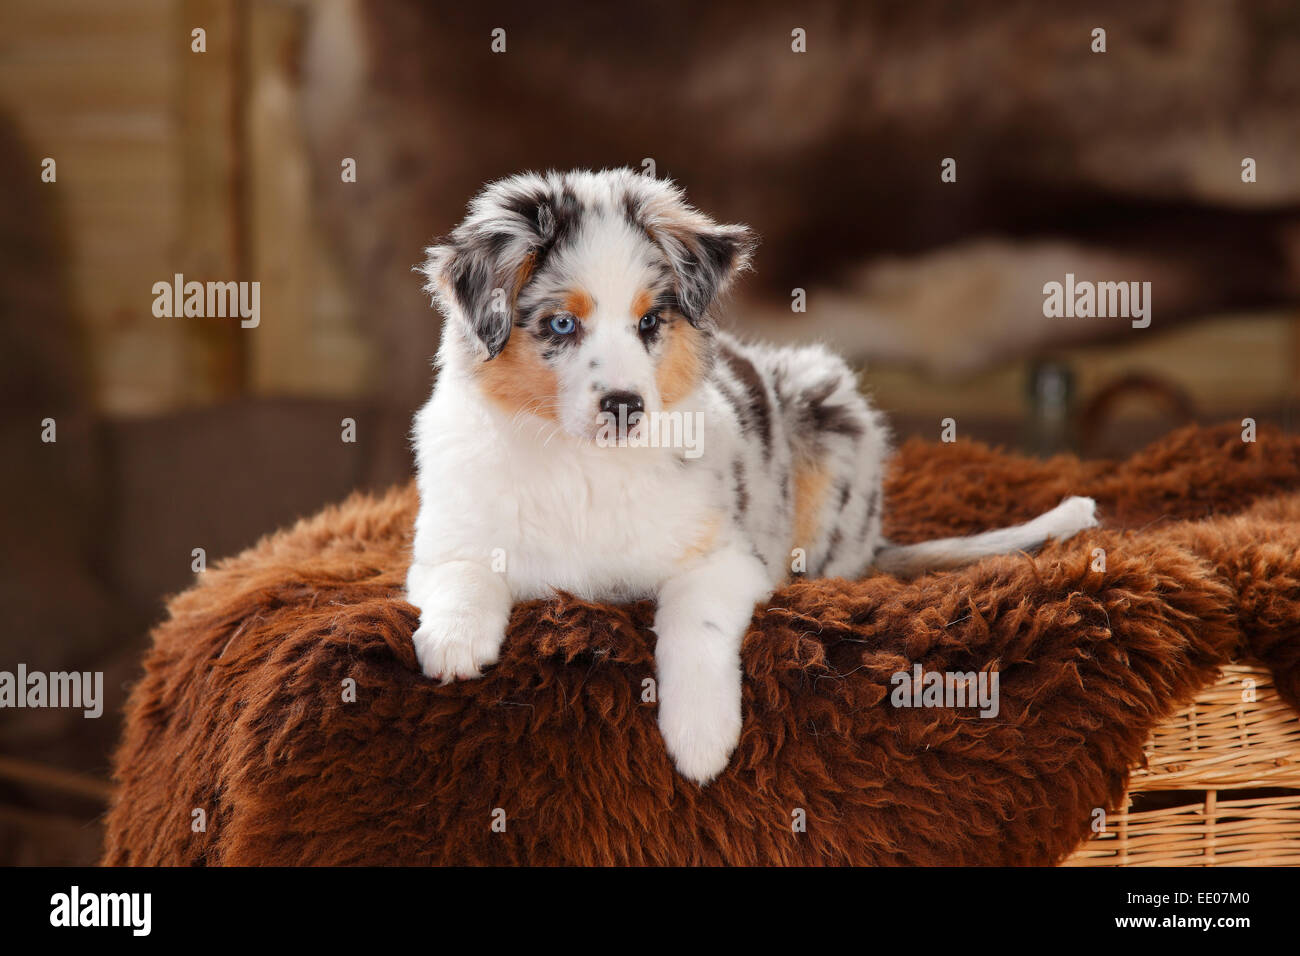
(649, 322)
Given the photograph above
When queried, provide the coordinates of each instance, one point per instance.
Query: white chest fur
(548, 513)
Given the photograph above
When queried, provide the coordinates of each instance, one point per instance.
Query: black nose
(624, 404)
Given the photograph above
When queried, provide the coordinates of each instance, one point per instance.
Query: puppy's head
(577, 296)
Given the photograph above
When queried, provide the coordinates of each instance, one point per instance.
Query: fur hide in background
(241, 712)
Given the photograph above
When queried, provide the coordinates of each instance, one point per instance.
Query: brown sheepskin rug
(245, 711)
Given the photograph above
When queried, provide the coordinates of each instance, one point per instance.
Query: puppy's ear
(705, 256)
(476, 276)
(716, 255)
(477, 286)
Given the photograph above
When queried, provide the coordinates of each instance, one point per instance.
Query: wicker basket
(1220, 785)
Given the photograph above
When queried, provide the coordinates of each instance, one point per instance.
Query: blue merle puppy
(593, 430)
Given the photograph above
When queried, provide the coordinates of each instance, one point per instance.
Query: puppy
(579, 319)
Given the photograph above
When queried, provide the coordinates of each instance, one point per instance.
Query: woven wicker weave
(1204, 770)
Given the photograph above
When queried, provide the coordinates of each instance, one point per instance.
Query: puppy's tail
(908, 560)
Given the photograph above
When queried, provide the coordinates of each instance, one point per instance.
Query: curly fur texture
(240, 709)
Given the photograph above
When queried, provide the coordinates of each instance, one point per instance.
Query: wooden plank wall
(174, 161)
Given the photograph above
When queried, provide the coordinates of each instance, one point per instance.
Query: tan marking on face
(642, 304)
(681, 363)
(518, 380)
(578, 303)
(703, 542)
(811, 481)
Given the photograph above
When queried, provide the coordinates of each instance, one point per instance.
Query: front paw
(457, 645)
(700, 732)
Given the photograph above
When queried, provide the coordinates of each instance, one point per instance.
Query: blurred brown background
(180, 433)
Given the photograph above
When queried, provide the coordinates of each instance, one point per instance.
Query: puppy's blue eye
(563, 324)
(649, 322)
